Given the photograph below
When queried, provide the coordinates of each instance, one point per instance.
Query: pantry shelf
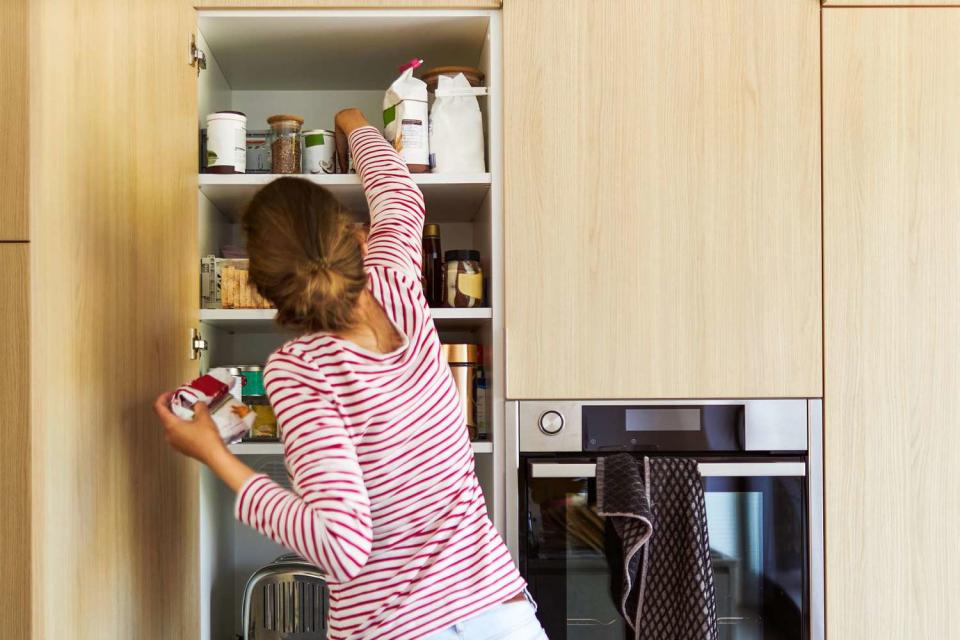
(276, 449)
(448, 197)
(261, 320)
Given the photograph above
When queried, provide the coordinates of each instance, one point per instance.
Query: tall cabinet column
(891, 119)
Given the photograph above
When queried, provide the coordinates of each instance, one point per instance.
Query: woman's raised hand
(345, 122)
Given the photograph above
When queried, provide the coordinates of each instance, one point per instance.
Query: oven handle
(707, 469)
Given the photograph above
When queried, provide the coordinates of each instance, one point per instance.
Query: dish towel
(657, 546)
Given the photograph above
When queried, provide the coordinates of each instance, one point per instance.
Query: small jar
(463, 281)
(285, 143)
(265, 420)
(226, 142)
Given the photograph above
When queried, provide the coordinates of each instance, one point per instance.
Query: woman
(385, 498)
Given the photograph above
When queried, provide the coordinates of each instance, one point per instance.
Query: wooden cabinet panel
(348, 4)
(662, 198)
(15, 460)
(891, 3)
(14, 131)
(114, 285)
(892, 322)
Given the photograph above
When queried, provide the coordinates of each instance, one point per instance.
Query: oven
(760, 463)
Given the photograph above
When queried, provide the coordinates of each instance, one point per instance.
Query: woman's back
(385, 496)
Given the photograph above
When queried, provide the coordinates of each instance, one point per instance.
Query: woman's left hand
(197, 438)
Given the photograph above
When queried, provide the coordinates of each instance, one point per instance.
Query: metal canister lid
(234, 371)
(461, 353)
(250, 367)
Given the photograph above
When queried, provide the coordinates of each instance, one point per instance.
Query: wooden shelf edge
(276, 449)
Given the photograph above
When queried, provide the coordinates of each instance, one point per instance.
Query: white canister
(226, 142)
(319, 151)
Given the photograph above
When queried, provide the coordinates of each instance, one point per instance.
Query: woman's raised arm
(396, 203)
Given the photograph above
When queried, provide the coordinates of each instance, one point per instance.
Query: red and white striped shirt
(385, 498)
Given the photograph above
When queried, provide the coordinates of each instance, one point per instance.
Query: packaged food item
(236, 386)
(258, 152)
(432, 265)
(405, 118)
(481, 407)
(226, 142)
(232, 417)
(432, 76)
(225, 284)
(252, 381)
(463, 283)
(285, 143)
(464, 360)
(456, 127)
(265, 423)
(319, 151)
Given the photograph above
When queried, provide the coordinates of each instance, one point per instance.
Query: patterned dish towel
(657, 546)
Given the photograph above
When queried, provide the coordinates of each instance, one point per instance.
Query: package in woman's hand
(232, 417)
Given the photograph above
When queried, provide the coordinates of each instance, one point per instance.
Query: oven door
(756, 520)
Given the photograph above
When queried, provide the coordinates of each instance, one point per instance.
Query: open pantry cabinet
(313, 63)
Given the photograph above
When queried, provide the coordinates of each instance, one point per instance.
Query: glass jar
(265, 420)
(463, 282)
(285, 143)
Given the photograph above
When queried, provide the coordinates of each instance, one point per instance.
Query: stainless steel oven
(761, 467)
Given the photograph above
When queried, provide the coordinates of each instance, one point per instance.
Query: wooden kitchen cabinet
(108, 532)
(347, 4)
(15, 461)
(662, 199)
(113, 293)
(891, 95)
(891, 3)
(14, 125)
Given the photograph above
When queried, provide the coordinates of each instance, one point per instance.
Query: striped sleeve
(327, 520)
(395, 201)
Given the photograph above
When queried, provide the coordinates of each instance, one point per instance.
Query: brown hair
(305, 255)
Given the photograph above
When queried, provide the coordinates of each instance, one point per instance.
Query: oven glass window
(757, 541)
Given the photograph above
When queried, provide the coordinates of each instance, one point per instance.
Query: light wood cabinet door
(891, 3)
(15, 553)
(891, 91)
(662, 198)
(14, 130)
(348, 4)
(113, 288)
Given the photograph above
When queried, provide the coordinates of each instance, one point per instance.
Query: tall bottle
(432, 265)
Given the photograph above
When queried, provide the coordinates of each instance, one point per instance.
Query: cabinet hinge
(196, 57)
(197, 344)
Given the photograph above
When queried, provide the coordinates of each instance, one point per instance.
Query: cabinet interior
(314, 63)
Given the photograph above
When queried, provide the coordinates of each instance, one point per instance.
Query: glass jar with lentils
(285, 142)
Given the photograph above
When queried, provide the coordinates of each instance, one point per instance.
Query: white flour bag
(456, 127)
(405, 118)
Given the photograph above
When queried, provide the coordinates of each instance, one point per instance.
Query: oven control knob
(551, 422)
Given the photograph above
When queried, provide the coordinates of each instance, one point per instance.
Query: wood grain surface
(14, 129)
(662, 204)
(15, 552)
(892, 274)
(114, 278)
